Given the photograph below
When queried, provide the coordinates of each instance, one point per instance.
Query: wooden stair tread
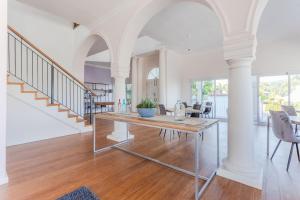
(53, 104)
(41, 98)
(79, 120)
(72, 115)
(63, 110)
(38, 97)
(14, 83)
(28, 91)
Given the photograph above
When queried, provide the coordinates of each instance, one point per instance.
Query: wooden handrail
(50, 59)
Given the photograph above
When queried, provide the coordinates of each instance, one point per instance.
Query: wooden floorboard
(50, 168)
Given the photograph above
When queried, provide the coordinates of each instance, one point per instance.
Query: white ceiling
(80, 11)
(182, 26)
(186, 25)
(98, 46)
(280, 20)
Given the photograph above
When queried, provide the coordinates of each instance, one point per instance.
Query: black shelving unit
(104, 93)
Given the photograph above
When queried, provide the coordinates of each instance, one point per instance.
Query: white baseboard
(3, 180)
(252, 180)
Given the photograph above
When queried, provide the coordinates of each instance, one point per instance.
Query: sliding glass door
(273, 92)
(295, 91)
(270, 92)
(214, 91)
(221, 98)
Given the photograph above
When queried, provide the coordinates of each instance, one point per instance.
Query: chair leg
(186, 136)
(275, 149)
(160, 132)
(296, 129)
(290, 157)
(202, 134)
(298, 152)
(165, 133)
(178, 133)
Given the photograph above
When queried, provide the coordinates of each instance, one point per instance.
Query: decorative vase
(146, 112)
(179, 111)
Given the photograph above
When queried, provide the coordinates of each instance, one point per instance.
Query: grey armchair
(283, 130)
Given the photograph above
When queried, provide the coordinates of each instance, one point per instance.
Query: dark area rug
(82, 193)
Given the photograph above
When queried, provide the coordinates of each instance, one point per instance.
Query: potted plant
(146, 108)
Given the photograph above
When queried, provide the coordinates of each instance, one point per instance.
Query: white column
(140, 80)
(240, 164)
(3, 72)
(120, 129)
(162, 75)
(134, 83)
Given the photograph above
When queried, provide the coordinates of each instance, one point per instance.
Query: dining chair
(163, 111)
(283, 130)
(196, 106)
(207, 109)
(291, 111)
(185, 104)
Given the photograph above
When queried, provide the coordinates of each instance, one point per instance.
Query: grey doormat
(82, 193)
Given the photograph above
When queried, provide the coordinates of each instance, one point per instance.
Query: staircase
(34, 73)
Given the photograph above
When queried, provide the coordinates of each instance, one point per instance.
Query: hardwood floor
(50, 168)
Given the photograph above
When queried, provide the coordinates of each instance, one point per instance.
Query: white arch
(143, 15)
(82, 51)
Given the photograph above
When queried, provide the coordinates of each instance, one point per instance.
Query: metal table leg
(196, 165)
(198, 191)
(108, 147)
(268, 136)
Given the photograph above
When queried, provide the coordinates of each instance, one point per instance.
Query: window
(153, 74)
(221, 98)
(215, 91)
(295, 91)
(273, 92)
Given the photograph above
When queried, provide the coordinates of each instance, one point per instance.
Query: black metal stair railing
(32, 66)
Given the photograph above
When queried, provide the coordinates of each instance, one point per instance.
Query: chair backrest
(290, 110)
(196, 106)
(185, 104)
(208, 103)
(282, 126)
(207, 109)
(162, 109)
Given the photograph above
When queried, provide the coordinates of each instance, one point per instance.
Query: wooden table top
(162, 121)
(104, 103)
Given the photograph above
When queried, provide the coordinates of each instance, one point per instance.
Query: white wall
(29, 120)
(52, 34)
(278, 57)
(174, 78)
(56, 37)
(3, 68)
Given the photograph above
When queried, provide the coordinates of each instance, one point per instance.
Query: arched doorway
(93, 63)
(153, 85)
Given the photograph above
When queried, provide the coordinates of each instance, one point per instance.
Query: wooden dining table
(294, 120)
(194, 126)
